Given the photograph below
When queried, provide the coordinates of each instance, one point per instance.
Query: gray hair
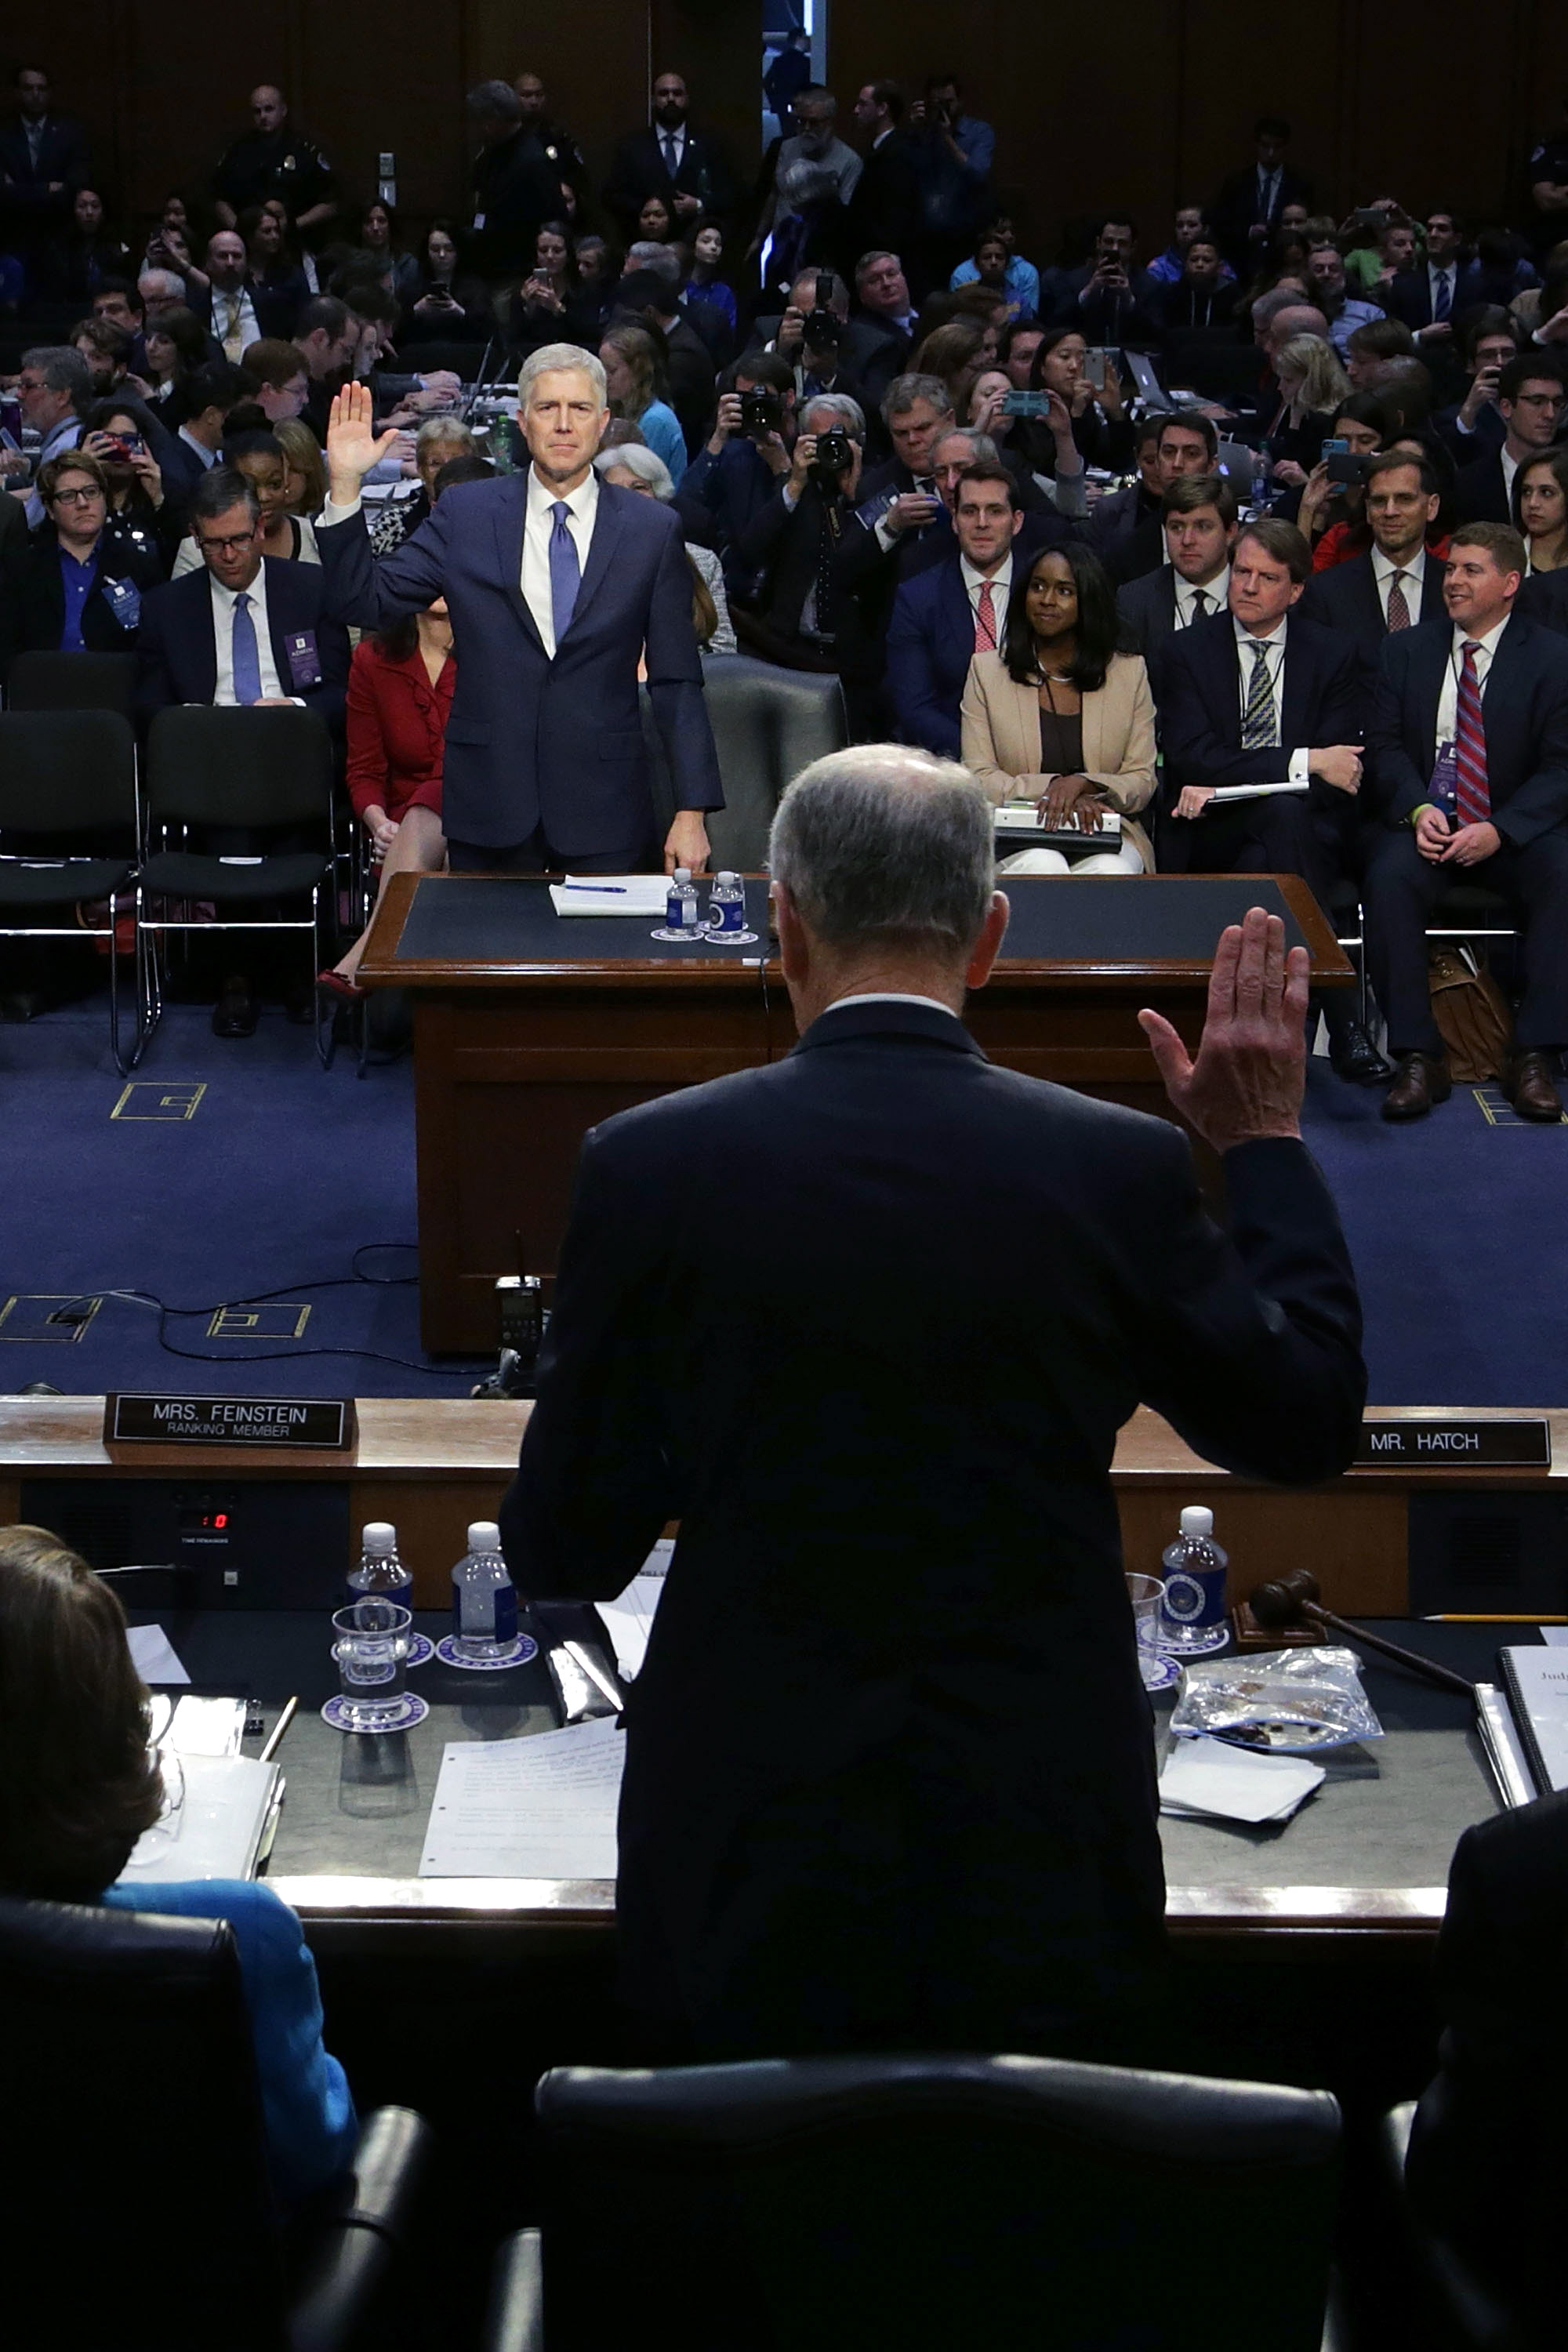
(495, 98)
(983, 450)
(437, 429)
(637, 458)
(221, 487)
(884, 841)
(905, 390)
(551, 357)
(161, 281)
(662, 259)
(840, 407)
(805, 182)
(63, 369)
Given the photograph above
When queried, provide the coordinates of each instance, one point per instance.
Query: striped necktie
(1444, 297)
(1259, 727)
(986, 621)
(1398, 610)
(1472, 798)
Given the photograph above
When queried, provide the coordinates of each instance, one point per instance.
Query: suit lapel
(958, 620)
(509, 516)
(601, 548)
(1300, 678)
(1025, 710)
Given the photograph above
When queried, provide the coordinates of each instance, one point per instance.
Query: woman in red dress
(400, 694)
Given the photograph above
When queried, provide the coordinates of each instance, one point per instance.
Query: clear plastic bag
(1280, 1702)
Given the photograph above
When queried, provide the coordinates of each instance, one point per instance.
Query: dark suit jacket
(25, 198)
(33, 600)
(1345, 597)
(1524, 714)
(274, 311)
(1479, 494)
(638, 172)
(179, 652)
(931, 640)
(1487, 2165)
(1543, 599)
(1200, 703)
(1232, 213)
(1110, 317)
(533, 741)
(1147, 608)
(889, 1778)
(1408, 295)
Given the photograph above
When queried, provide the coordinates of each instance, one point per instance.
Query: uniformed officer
(559, 148)
(274, 160)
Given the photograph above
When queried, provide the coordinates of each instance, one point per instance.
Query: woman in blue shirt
(79, 1785)
(993, 264)
(705, 285)
(631, 359)
(76, 589)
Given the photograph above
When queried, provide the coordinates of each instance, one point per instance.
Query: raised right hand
(353, 445)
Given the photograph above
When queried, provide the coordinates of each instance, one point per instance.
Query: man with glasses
(1530, 399)
(73, 592)
(246, 629)
(53, 389)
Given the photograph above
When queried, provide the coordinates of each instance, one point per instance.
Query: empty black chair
(768, 724)
(43, 681)
(924, 2202)
(69, 776)
(246, 771)
(137, 2211)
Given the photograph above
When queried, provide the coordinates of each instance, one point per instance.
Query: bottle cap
(1197, 1519)
(726, 877)
(484, 1535)
(681, 873)
(379, 1536)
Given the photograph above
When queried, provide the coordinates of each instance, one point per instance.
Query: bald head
(1297, 318)
(268, 109)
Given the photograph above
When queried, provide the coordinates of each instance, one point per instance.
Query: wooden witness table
(529, 1030)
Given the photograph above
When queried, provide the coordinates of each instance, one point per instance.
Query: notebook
(1536, 1683)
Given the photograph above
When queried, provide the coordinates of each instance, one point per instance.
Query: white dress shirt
(223, 638)
(665, 138)
(1215, 592)
(1412, 577)
(891, 996)
(1510, 468)
(1447, 726)
(584, 503)
(1001, 584)
(1300, 773)
(245, 328)
(1437, 272)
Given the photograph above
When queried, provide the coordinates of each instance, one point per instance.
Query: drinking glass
(372, 1651)
(1146, 1593)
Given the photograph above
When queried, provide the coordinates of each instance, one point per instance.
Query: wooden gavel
(1293, 1601)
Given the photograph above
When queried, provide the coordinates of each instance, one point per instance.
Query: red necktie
(1398, 610)
(1472, 800)
(985, 621)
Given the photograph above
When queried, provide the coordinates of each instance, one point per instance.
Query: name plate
(1458, 1443)
(318, 1423)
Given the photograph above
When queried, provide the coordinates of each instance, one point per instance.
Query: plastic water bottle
(484, 1598)
(727, 906)
(379, 1572)
(1192, 1615)
(681, 903)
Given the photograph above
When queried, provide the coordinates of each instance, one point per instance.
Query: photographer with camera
(1530, 400)
(745, 457)
(950, 156)
(1489, 338)
(1110, 301)
(792, 613)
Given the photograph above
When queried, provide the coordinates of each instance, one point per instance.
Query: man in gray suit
(1198, 515)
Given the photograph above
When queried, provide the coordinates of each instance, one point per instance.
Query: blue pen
(598, 890)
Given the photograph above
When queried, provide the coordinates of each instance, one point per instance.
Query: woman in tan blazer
(1059, 719)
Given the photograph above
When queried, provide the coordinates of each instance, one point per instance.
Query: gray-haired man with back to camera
(866, 1322)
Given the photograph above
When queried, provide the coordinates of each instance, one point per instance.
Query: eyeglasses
(232, 545)
(85, 497)
(1541, 399)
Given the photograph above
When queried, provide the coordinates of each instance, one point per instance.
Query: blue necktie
(1441, 306)
(247, 660)
(564, 576)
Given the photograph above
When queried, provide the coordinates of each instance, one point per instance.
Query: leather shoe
(1354, 1056)
(1529, 1088)
(235, 1012)
(1418, 1083)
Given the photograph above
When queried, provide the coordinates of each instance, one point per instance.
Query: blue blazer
(1198, 691)
(1345, 597)
(532, 741)
(931, 640)
(178, 649)
(305, 2104)
(1524, 717)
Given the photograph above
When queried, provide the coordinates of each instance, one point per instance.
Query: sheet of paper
(642, 895)
(1254, 792)
(153, 1656)
(208, 1727)
(1206, 1777)
(628, 1620)
(218, 1826)
(539, 1808)
(1555, 1636)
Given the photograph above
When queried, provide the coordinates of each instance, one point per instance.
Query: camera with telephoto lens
(834, 455)
(761, 412)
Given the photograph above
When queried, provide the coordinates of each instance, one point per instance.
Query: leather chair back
(768, 724)
(933, 2201)
(136, 2210)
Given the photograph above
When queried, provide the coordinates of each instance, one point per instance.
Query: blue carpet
(282, 1173)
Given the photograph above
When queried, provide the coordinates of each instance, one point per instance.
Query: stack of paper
(217, 1831)
(153, 1657)
(629, 1621)
(1209, 1778)
(538, 1808)
(642, 895)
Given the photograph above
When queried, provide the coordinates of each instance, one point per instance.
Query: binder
(1537, 1683)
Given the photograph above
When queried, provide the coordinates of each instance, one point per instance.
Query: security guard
(274, 160)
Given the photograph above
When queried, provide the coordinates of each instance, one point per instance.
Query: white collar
(1216, 590)
(1486, 645)
(975, 579)
(1274, 638)
(257, 591)
(888, 996)
(1383, 566)
(583, 500)
(880, 136)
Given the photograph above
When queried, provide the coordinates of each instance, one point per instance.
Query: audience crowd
(1198, 542)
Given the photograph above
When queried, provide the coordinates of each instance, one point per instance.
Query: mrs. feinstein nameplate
(319, 1423)
(1457, 1441)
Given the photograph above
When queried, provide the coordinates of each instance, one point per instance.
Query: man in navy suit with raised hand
(558, 586)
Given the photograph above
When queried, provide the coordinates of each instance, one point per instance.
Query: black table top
(1134, 919)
